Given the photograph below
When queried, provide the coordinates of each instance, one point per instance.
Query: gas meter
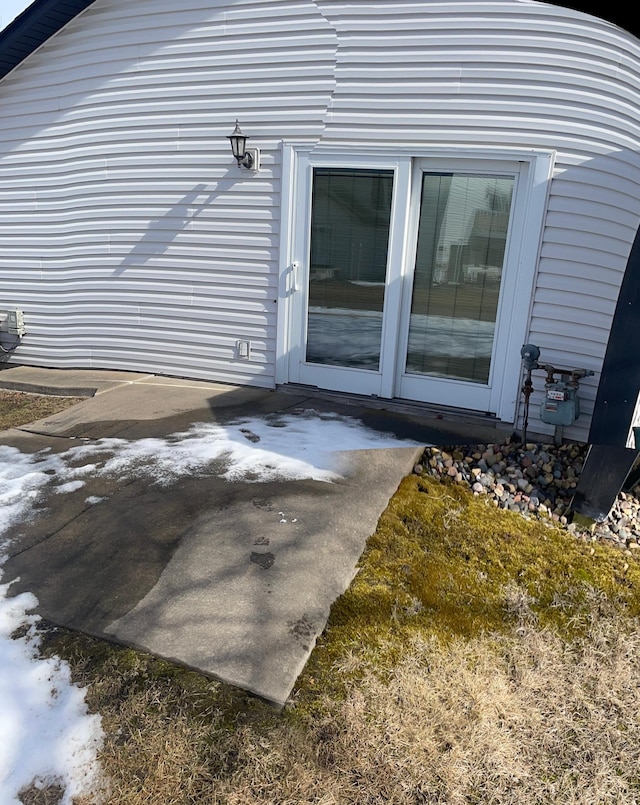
(561, 404)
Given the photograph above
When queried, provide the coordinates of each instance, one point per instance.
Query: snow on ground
(47, 736)
(46, 733)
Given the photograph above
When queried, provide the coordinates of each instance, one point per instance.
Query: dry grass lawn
(18, 408)
(477, 658)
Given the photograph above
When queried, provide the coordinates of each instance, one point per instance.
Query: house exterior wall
(131, 240)
(129, 236)
(514, 75)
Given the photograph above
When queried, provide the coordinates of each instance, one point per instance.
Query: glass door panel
(350, 223)
(460, 253)
(403, 277)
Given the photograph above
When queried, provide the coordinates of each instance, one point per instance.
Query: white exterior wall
(132, 241)
(128, 234)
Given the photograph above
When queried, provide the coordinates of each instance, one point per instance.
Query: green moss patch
(444, 563)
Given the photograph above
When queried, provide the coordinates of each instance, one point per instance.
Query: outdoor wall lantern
(247, 157)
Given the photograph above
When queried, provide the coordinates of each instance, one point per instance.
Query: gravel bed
(535, 480)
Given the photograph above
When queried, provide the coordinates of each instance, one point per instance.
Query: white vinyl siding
(132, 240)
(127, 233)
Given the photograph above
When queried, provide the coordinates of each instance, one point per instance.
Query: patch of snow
(46, 732)
(70, 486)
(22, 478)
(286, 446)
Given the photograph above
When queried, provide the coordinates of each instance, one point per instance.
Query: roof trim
(617, 11)
(37, 23)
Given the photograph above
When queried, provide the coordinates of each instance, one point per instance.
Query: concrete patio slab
(229, 576)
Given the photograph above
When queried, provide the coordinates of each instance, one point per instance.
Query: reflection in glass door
(460, 254)
(350, 221)
(398, 284)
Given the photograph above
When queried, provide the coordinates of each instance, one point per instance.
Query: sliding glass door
(404, 279)
(461, 242)
(350, 220)
(347, 301)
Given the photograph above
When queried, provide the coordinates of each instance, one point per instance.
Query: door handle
(295, 267)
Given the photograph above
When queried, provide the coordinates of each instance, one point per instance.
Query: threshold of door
(486, 427)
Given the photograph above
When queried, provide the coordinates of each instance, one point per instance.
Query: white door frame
(528, 213)
(442, 390)
(348, 379)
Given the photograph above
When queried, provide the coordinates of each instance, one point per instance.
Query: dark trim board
(37, 23)
(620, 378)
(609, 461)
(601, 480)
(618, 12)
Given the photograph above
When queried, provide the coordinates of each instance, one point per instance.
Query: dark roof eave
(37, 23)
(619, 12)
